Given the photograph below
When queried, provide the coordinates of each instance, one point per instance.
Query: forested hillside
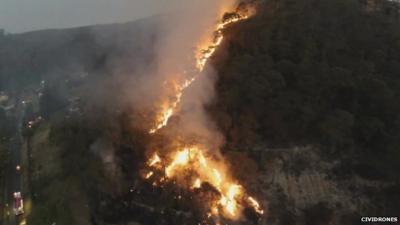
(307, 99)
(55, 54)
(321, 72)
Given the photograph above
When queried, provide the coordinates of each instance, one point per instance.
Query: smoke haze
(180, 36)
(27, 15)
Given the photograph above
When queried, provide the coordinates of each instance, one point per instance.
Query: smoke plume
(152, 85)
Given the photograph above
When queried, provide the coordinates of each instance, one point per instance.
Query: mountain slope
(321, 72)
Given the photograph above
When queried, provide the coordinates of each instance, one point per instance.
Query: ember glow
(154, 160)
(256, 205)
(203, 54)
(169, 107)
(194, 166)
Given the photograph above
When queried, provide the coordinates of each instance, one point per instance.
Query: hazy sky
(26, 15)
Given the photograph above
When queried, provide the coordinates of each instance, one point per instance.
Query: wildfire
(202, 56)
(197, 184)
(201, 169)
(255, 205)
(169, 108)
(192, 166)
(205, 54)
(181, 159)
(149, 174)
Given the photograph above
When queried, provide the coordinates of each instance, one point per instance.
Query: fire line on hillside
(193, 166)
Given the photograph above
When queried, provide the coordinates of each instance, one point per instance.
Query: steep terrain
(320, 74)
(307, 99)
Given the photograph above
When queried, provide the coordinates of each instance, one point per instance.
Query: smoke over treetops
(179, 38)
(168, 98)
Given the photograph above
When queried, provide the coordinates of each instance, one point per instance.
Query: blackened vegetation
(244, 8)
(230, 16)
(130, 198)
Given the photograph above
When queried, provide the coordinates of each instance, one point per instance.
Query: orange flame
(194, 161)
(154, 160)
(181, 159)
(197, 183)
(149, 174)
(207, 169)
(255, 205)
(169, 109)
(202, 58)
